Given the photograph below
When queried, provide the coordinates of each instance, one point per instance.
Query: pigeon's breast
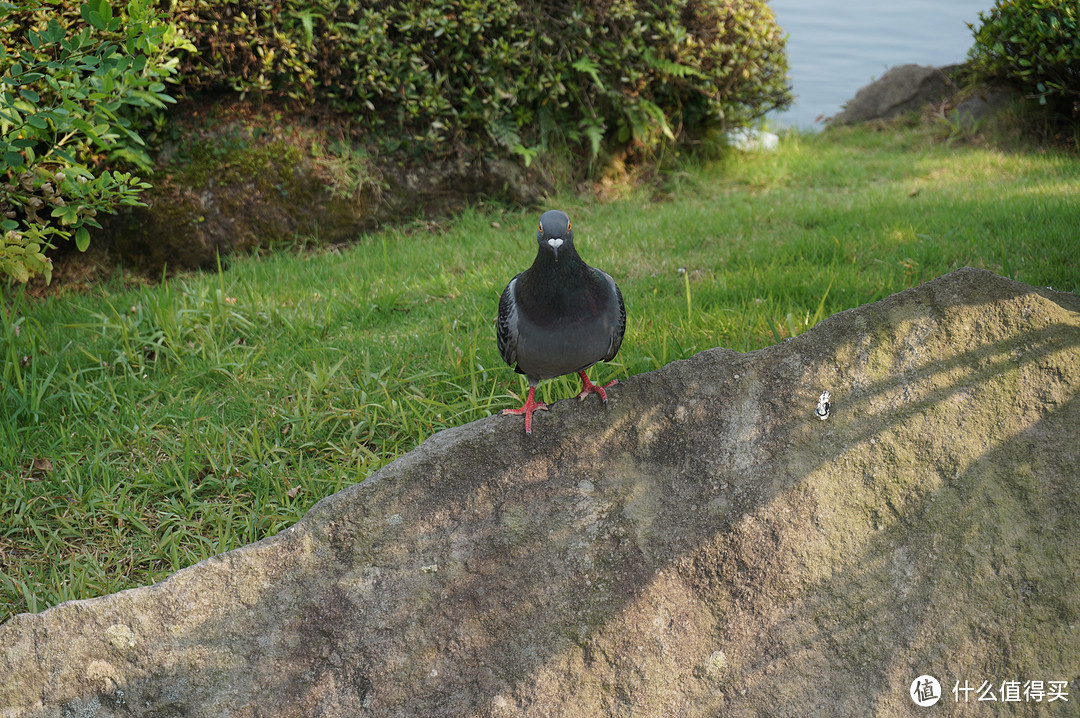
(563, 347)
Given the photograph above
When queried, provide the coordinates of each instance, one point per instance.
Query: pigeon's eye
(540, 228)
(569, 226)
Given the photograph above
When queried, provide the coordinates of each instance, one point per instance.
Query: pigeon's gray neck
(567, 285)
(566, 265)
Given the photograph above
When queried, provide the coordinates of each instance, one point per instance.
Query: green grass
(144, 430)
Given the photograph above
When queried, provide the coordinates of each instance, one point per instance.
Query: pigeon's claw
(587, 387)
(531, 405)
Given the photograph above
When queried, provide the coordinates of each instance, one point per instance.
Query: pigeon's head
(554, 233)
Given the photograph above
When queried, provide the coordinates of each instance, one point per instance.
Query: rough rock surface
(703, 546)
(980, 104)
(901, 89)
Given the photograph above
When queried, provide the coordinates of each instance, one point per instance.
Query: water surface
(837, 46)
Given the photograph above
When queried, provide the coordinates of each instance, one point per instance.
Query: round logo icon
(925, 691)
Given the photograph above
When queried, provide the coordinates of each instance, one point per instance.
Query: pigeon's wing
(506, 325)
(620, 324)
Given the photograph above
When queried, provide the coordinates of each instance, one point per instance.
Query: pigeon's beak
(555, 243)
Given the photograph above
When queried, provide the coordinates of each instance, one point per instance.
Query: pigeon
(559, 316)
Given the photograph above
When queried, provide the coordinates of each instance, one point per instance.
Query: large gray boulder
(901, 89)
(704, 546)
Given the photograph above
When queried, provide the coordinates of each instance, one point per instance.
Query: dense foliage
(76, 84)
(1035, 44)
(84, 80)
(451, 76)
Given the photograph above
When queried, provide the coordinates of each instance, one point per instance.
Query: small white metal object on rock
(822, 411)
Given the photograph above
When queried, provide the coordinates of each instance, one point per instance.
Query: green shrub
(82, 83)
(1035, 44)
(451, 76)
(77, 83)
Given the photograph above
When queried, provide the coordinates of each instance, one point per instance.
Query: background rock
(239, 179)
(901, 89)
(242, 196)
(970, 109)
(703, 546)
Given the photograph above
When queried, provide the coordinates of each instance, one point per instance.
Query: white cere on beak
(555, 243)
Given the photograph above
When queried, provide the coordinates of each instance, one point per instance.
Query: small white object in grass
(747, 139)
(823, 406)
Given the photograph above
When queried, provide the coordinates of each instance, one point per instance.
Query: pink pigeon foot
(529, 407)
(587, 387)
